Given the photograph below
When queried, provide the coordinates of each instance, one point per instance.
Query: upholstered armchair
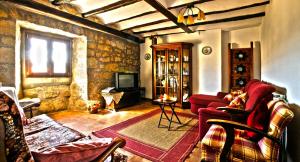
(228, 140)
(15, 147)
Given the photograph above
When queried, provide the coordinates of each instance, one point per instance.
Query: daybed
(43, 139)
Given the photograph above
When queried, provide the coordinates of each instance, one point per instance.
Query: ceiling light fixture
(188, 10)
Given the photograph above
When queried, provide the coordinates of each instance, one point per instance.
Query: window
(47, 55)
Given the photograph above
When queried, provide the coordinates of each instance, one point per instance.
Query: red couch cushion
(217, 104)
(257, 94)
(202, 99)
(75, 151)
(259, 118)
(250, 84)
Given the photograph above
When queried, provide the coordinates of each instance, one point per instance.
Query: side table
(162, 104)
(111, 99)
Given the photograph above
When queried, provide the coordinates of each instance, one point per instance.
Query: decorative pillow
(234, 93)
(239, 101)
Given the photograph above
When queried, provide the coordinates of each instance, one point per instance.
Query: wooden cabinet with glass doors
(172, 71)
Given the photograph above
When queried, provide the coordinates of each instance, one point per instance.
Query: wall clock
(206, 50)
(147, 56)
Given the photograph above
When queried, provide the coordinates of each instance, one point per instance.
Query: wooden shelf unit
(172, 71)
(240, 66)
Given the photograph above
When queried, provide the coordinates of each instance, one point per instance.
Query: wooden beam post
(159, 7)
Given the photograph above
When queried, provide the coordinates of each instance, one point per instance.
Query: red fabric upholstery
(221, 94)
(250, 84)
(75, 151)
(217, 104)
(257, 92)
(201, 101)
(259, 119)
(209, 113)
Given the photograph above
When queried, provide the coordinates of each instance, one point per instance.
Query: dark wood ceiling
(137, 19)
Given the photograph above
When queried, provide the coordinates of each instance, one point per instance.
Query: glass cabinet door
(173, 74)
(186, 88)
(160, 82)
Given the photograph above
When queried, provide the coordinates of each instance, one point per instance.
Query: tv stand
(129, 98)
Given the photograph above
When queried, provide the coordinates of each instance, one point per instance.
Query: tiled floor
(86, 123)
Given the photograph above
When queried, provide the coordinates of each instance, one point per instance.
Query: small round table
(162, 104)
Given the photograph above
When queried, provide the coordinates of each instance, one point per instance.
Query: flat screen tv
(126, 81)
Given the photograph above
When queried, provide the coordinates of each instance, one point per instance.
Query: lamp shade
(180, 18)
(190, 20)
(201, 15)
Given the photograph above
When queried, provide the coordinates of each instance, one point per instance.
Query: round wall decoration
(206, 50)
(147, 56)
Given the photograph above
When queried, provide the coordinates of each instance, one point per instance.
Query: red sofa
(257, 92)
(203, 101)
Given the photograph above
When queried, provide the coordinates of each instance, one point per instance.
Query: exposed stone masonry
(106, 54)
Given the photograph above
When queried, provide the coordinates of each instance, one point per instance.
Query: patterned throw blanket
(43, 133)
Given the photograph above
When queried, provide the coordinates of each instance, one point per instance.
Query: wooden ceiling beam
(41, 7)
(159, 7)
(132, 17)
(110, 7)
(147, 24)
(185, 4)
(170, 33)
(237, 18)
(207, 13)
(152, 12)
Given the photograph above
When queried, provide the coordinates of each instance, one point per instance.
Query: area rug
(144, 138)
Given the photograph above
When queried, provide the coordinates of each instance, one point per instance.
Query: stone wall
(106, 54)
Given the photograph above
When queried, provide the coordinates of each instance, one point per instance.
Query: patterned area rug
(144, 138)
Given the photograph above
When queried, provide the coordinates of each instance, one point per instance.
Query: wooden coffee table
(162, 104)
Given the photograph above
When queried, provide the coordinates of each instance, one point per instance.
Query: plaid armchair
(225, 142)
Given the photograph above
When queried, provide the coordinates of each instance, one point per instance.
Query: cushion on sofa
(217, 104)
(239, 101)
(202, 99)
(250, 84)
(258, 93)
(43, 133)
(86, 150)
(232, 95)
(259, 119)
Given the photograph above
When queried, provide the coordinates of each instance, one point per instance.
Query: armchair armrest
(233, 110)
(116, 143)
(229, 127)
(29, 103)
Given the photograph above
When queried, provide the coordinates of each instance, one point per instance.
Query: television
(126, 81)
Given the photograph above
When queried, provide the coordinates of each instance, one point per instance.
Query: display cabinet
(172, 71)
(240, 66)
